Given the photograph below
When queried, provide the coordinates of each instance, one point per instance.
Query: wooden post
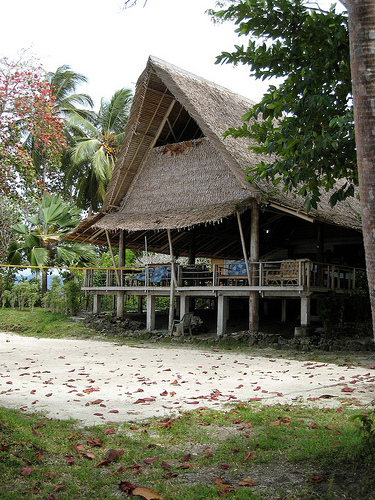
(172, 286)
(121, 263)
(254, 258)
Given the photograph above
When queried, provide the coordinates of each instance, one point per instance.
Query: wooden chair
(183, 324)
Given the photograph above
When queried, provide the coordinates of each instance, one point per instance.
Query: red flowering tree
(26, 107)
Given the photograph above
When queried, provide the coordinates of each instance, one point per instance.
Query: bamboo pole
(243, 247)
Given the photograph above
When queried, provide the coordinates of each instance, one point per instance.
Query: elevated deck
(279, 279)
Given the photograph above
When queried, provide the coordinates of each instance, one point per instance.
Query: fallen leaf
(109, 431)
(249, 455)
(26, 471)
(146, 493)
(246, 482)
(185, 458)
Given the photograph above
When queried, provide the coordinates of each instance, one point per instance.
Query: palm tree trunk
(44, 281)
(362, 58)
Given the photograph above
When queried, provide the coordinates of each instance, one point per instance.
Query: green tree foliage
(41, 239)
(305, 123)
(94, 154)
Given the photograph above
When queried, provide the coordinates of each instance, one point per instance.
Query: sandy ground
(101, 382)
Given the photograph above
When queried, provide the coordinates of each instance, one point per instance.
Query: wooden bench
(286, 274)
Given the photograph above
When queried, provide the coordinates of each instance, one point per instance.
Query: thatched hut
(182, 186)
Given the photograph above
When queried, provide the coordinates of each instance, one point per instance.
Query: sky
(110, 45)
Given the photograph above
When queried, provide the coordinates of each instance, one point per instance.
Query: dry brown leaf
(146, 493)
(246, 482)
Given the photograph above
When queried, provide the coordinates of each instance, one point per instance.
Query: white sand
(101, 382)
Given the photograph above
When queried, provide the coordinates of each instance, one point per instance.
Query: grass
(281, 452)
(42, 324)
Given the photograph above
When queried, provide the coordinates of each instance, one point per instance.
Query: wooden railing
(288, 273)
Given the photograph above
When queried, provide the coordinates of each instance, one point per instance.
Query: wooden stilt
(254, 257)
(172, 286)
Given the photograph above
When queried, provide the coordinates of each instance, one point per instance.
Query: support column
(184, 305)
(254, 257)
(305, 310)
(222, 314)
(121, 263)
(150, 312)
(97, 303)
(283, 310)
(120, 309)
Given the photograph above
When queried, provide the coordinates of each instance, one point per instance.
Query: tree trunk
(361, 16)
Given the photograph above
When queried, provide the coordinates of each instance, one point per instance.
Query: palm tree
(41, 240)
(94, 155)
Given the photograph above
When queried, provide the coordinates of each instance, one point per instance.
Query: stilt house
(180, 188)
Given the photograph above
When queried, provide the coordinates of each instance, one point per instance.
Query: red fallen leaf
(165, 465)
(144, 400)
(258, 388)
(248, 455)
(347, 389)
(48, 395)
(127, 487)
(146, 493)
(335, 443)
(255, 399)
(192, 402)
(185, 458)
(164, 393)
(150, 460)
(39, 455)
(224, 466)
(97, 401)
(103, 462)
(219, 483)
(109, 431)
(275, 423)
(169, 475)
(70, 460)
(98, 414)
(79, 448)
(50, 475)
(185, 465)
(247, 482)
(33, 391)
(90, 455)
(280, 394)
(175, 382)
(26, 471)
(36, 433)
(94, 442)
(208, 452)
(316, 479)
(113, 411)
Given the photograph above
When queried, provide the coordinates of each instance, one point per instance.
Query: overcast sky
(110, 46)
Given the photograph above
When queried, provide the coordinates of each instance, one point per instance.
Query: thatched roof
(176, 171)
